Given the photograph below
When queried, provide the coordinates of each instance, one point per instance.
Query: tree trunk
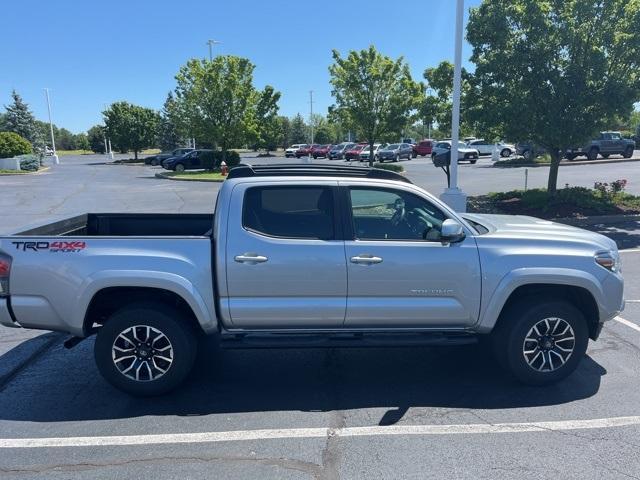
(135, 154)
(552, 184)
(371, 159)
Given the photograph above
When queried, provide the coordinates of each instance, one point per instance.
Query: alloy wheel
(549, 344)
(142, 353)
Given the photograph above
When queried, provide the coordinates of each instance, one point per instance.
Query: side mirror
(452, 232)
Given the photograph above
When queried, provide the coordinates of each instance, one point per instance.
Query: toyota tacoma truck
(302, 256)
(608, 143)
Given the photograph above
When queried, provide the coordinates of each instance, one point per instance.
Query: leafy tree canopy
(131, 127)
(554, 71)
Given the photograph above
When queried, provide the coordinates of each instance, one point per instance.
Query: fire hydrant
(224, 170)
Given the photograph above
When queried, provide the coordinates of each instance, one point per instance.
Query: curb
(597, 219)
(25, 353)
(571, 163)
(167, 176)
(38, 172)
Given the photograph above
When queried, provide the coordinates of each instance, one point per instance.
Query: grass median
(197, 176)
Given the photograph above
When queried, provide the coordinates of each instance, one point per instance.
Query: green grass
(517, 161)
(197, 176)
(394, 167)
(20, 172)
(62, 153)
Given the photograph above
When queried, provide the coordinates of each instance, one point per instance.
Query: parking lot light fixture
(454, 196)
(55, 158)
(211, 43)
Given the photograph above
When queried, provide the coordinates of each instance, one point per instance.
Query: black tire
(527, 154)
(167, 320)
(472, 162)
(508, 340)
(592, 154)
(628, 153)
(571, 156)
(397, 158)
(179, 168)
(505, 153)
(604, 155)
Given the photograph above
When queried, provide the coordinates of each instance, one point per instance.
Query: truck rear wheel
(145, 349)
(541, 342)
(592, 154)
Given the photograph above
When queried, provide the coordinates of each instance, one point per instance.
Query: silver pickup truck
(311, 256)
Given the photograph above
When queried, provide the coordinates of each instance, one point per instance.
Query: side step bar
(344, 340)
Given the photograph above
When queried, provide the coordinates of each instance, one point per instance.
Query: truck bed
(127, 225)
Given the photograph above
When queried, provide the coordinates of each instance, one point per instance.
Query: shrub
(12, 145)
(29, 163)
(394, 167)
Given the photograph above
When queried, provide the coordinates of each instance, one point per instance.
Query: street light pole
(310, 122)
(53, 140)
(454, 196)
(211, 43)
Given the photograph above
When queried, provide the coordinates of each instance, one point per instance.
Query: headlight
(609, 260)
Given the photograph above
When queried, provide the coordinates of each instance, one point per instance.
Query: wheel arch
(582, 291)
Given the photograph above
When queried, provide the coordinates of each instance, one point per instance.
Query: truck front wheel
(541, 342)
(145, 349)
(628, 153)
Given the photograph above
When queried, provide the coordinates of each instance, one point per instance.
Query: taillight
(5, 269)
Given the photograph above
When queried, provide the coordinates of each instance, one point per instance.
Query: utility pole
(107, 141)
(310, 121)
(453, 196)
(55, 158)
(211, 43)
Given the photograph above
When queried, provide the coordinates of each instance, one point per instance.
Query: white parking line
(627, 323)
(632, 301)
(630, 250)
(243, 435)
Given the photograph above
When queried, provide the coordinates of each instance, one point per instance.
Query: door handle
(250, 258)
(365, 259)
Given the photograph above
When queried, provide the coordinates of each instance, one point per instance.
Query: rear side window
(290, 212)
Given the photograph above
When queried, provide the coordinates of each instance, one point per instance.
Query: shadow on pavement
(626, 235)
(65, 385)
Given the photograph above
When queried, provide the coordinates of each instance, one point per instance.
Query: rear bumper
(6, 318)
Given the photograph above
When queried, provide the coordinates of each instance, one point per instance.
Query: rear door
(400, 274)
(285, 261)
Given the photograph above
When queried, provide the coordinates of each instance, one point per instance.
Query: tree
(169, 135)
(12, 145)
(131, 127)
(268, 126)
(298, 132)
(95, 137)
(20, 120)
(285, 131)
(554, 71)
(373, 92)
(81, 141)
(216, 100)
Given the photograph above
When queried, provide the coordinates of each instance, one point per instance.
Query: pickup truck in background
(311, 256)
(608, 143)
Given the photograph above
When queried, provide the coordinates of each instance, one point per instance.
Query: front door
(400, 274)
(285, 266)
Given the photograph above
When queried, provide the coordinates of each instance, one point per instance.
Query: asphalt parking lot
(324, 414)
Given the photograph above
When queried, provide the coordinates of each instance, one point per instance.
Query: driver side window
(387, 214)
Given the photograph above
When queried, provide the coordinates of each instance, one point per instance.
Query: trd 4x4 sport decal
(54, 247)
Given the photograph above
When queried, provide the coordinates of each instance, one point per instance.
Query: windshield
(393, 146)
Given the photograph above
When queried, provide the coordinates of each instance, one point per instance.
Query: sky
(90, 54)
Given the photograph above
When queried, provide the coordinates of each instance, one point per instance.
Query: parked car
(395, 152)
(322, 151)
(464, 152)
(291, 151)
(354, 152)
(306, 150)
(337, 151)
(608, 143)
(157, 159)
(364, 154)
(529, 150)
(403, 269)
(194, 160)
(423, 148)
(485, 147)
